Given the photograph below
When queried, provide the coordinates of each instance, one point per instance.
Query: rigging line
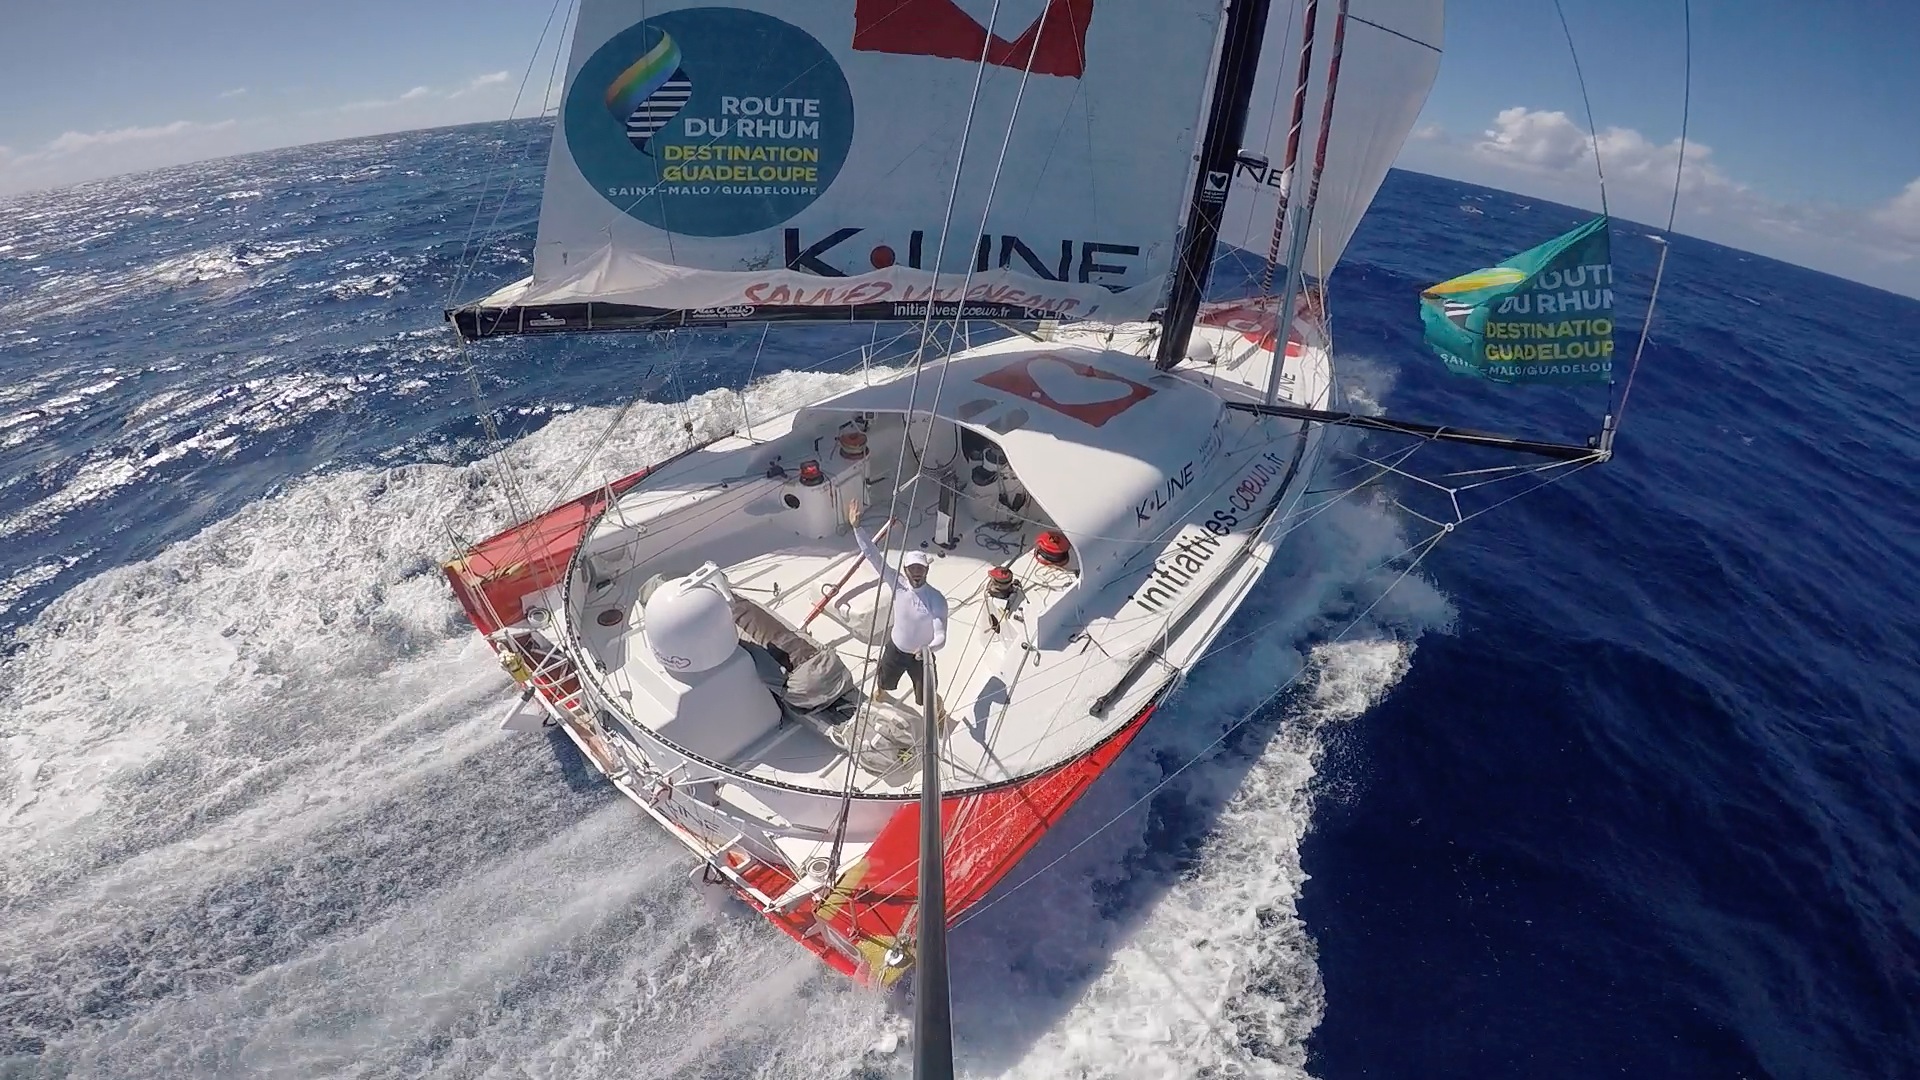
(939, 257)
(702, 515)
(546, 97)
(746, 418)
(1427, 545)
(620, 415)
(680, 392)
(1280, 89)
(1412, 476)
(1289, 166)
(926, 325)
(460, 269)
(517, 503)
(993, 187)
(1673, 208)
(1489, 470)
(1402, 506)
(600, 442)
(1527, 470)
(1366, 461)
(999, 169)
(1527, 491)
(1646, 327)
(1593, 133)
(1293, 522)
(496, 448)
(1402, 36)
(1686, 111)
(559, 492)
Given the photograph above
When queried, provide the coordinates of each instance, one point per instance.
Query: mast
(1220, 151)
(932, 1016)
(1292, 159)
(1303, 224)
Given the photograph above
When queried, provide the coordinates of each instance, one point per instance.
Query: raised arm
(887, 573)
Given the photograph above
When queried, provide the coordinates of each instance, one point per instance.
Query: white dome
(689, 625)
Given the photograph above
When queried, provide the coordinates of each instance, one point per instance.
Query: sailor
(919, 615)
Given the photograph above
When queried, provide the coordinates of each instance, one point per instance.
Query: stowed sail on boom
(718, 160)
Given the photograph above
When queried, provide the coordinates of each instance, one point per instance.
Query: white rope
(1258, 628)
(1673, 208)
(1423, 546)
(461, 268)
(926, 330)
(518, 506)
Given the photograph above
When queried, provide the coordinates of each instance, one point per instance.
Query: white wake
(257, 819)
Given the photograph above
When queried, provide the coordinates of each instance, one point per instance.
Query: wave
(258, 818)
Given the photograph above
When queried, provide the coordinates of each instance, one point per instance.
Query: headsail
(1544, 315)
(1388, 61)
(717, 160)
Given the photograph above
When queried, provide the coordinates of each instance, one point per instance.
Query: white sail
(1387, 65)
(772, 159)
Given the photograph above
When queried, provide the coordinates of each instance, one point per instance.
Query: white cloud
(1546, 154)
(74, 142)
(78, 155)
(75, 156)
(481, 82)
(426, 93)
(1533, 139)
(1550, 142)
(414, 94)
(1900, 215)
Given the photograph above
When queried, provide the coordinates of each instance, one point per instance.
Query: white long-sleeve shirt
(919, 615)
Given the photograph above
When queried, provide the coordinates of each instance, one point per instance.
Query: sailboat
(1095, 492)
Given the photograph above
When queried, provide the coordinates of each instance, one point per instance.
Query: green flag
(1544, 315)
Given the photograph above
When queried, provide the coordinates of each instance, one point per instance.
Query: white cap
(916, 558)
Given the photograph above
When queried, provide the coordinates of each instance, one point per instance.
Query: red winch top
(1051, 547)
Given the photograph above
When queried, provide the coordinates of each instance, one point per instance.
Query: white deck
(1020, 700)
(982, 748)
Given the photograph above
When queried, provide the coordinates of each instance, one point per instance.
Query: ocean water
(1622, 779)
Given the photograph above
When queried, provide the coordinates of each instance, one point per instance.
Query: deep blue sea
(1622, 780)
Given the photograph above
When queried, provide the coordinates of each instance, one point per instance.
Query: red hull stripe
(874, 903)
(493, 578)
(864, 916)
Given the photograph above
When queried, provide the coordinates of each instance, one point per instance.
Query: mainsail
(1389, 56)
(1544, 315)
(722, 160)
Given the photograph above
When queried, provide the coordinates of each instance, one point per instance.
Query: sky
(1803, 142)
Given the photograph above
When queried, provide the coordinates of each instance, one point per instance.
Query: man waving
(919, 619)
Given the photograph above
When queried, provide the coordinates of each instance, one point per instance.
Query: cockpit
(944, 486)
(1028, 484)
